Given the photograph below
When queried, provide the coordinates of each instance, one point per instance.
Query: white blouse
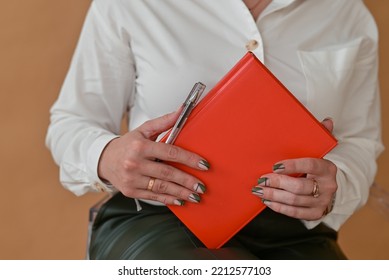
(143, 56)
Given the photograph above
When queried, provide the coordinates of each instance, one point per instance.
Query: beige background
(39, 219)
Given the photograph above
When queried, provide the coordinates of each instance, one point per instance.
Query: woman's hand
(130, 164)
(306, 197)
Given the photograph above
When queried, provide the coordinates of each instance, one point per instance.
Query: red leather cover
(244, 125)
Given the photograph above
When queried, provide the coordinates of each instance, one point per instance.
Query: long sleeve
(358, 130)
(96, 92)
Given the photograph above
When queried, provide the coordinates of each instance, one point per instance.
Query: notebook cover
(242, 127)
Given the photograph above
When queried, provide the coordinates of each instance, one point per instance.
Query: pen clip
(195, 94)
(190, 102)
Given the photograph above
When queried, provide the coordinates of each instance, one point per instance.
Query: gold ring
(315, 191)
(151, 184)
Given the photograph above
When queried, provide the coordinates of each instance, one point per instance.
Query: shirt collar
(276, 5)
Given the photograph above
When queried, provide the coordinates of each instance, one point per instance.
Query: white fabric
(144, 56)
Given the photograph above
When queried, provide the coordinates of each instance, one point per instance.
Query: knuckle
(161, 186)
(138, 146)
(165, 118)
(173, 152)
(154, 196)
(167, 172)
(293, 199)
(181, 193)
(277, 208)
(130, 165)
(292, 164)
(312, 165)
(164, 200)
(269, 192)
(147, 123)
(332, 169)
(188, 182)
(192, 158)
(297, 186)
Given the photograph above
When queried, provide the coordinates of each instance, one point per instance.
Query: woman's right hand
(130, 164)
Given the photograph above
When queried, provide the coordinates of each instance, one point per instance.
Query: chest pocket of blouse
(328, 73)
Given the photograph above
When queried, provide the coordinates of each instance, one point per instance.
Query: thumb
(152, 128)
(328, 123)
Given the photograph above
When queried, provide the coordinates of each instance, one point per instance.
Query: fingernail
(263, 181)
(195, 197)
(179, 202)
(203, 164)
(257, 191)
(266, 202)
(278, 166)
(200, 188)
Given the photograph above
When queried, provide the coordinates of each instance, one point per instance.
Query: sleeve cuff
(93, 157)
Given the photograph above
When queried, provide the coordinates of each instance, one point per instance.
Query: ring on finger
(315, 190)
(151, 184)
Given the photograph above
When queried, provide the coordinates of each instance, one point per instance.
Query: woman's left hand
(307, 197)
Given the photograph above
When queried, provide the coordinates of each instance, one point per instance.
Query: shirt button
(252, 45)
(99, 187)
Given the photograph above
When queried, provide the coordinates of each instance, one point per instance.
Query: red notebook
(242, 127)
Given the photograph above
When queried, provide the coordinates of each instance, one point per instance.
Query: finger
(297, 186)
(274, 191)
(152, 128)
(163, 198)
(305, 213)
(312, 166)
(168, 173)
(172, 153)
(161, 191)
(291, 199)
(328, 123)
(283, 197)
(168, 188)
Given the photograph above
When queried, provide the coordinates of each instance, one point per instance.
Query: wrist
(104, 163)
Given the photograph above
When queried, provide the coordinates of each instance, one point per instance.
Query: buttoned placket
(254, 41)
(255, 44)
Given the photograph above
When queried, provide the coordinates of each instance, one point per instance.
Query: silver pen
(189, 104)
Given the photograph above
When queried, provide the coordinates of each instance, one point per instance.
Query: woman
(141, 57)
